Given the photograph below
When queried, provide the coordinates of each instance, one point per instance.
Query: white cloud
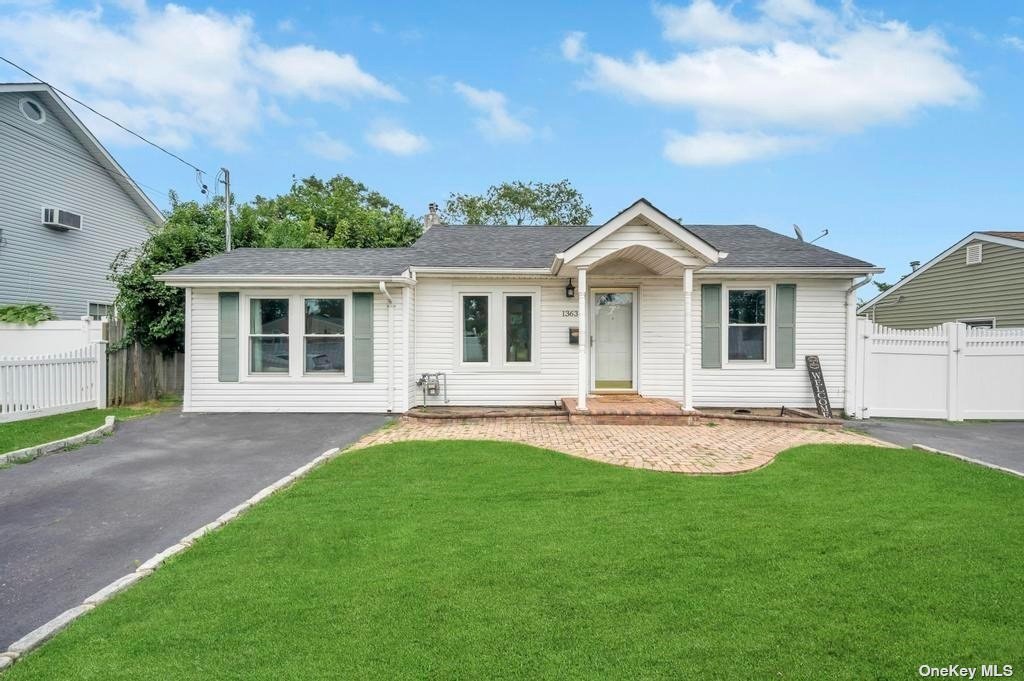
(793, 67)
(572, 45)
(497, 123)
(306, 71)
(704, 22)
(395, 139)
(710, 148)
(323, 145)
(176, 74)
(1015, 42)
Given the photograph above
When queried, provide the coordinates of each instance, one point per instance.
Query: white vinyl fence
(47, 338)
(947, 372)
(38, 385)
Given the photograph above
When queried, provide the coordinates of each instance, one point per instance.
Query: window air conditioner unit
(57, 218)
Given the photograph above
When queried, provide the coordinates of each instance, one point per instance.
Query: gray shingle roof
(753, 246)
(502, 247)
(351, 262)
(488, 246)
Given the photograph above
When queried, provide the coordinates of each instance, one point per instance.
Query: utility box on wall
(574, 335)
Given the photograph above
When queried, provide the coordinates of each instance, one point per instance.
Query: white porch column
(583, 384)
(688, 339)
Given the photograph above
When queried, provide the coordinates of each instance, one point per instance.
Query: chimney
(914, 264)
(431, 218)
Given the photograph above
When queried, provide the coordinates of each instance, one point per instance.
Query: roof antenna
(800, 234)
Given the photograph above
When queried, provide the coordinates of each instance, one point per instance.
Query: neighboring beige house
(978, 281)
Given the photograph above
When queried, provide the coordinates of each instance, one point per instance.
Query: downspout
(391, 356)
(850, 380)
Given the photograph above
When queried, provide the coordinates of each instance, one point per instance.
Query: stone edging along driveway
(31, 453)
(36, 638)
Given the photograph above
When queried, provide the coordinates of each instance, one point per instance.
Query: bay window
(268, 335)
(748, 325)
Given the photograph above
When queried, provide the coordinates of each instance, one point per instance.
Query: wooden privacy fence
(948, 372)
(38, 385)
(136, 373)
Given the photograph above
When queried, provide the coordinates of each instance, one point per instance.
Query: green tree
(882, 286)
(152, 312)
(334, 213)
(520, 203)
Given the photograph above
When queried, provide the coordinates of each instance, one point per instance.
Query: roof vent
(914, 264)
(974, 254)
(64, 220)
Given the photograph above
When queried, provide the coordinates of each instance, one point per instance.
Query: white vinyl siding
(820, 330)
(438, 329)
(292, 393)
(63, 269)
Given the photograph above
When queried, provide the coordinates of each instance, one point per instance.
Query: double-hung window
(748, 324)
(475, 328)
(518, 328)
(324, 335)
(268, 335)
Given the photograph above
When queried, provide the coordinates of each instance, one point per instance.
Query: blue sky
(897, 125)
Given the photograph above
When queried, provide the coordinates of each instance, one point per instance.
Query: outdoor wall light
(570, 290)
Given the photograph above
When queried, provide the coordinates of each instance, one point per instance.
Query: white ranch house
(707, 315)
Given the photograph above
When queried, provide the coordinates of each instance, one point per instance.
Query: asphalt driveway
(995, 442)
(72, 523)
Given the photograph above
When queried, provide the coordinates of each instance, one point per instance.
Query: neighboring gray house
(66, 206)
(978, 281)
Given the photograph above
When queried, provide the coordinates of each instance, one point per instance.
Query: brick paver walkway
(727, 447)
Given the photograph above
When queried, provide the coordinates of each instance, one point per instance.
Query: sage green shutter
(227, 337)
(362, 337)
(711, 326)
(785, 326)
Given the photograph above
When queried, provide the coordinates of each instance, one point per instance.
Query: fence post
(953, 338)
(100, 348)
(863, 337)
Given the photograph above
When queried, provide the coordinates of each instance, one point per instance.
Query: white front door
(614, 343)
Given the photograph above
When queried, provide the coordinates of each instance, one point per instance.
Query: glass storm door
(613, 340)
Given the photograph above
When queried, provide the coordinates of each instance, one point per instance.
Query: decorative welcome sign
(818, 386)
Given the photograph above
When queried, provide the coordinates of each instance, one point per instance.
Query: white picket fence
(947, 372)
(38, 385)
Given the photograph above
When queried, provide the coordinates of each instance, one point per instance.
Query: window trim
(296, 329)
(460, 329)
(496, 310)
(346, 312)
(109, 306)
(769, 323)
(973, 320)
(29, 100)
(505, 362)
(249, 335)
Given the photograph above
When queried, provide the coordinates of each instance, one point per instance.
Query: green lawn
(482, 560)
(20, 434)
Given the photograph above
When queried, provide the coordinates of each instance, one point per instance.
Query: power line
(103, 116)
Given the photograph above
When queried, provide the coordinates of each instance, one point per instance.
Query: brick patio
(726, 447)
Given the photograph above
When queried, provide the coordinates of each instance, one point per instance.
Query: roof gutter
(280, 280)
